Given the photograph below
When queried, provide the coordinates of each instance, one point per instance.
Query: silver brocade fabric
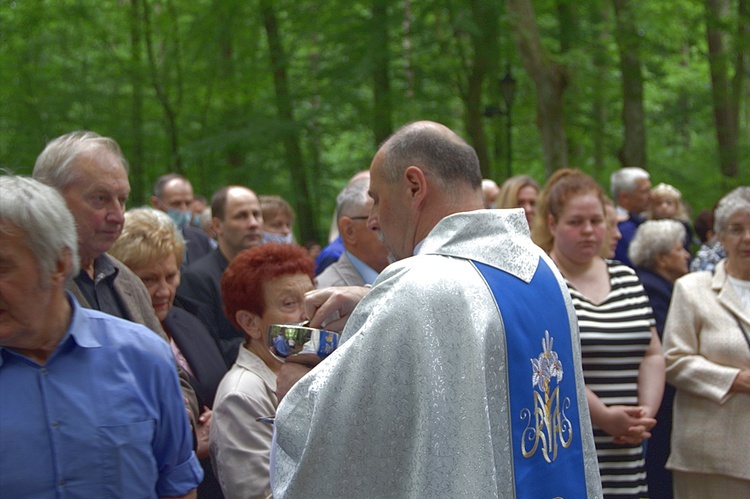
(414, 401)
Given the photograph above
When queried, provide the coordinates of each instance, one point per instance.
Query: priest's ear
(249, 323)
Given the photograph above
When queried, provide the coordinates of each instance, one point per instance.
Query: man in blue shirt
(91, 404)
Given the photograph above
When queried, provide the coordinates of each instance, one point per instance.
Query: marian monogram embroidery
(547, 427)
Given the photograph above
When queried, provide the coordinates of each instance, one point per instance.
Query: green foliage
(207, 91)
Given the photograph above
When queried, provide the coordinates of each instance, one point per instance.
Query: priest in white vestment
(458, 374)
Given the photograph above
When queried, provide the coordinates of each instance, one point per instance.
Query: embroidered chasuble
(458, 375)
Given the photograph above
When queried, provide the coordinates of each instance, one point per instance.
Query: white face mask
(269, 237)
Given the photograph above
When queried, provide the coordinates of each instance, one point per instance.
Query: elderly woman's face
(285, 300)
(161, 277)
(736, 240)
(674, 263)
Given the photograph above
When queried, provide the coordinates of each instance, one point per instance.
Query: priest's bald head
(421, 174)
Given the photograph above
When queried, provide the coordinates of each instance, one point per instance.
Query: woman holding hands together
(622, 358)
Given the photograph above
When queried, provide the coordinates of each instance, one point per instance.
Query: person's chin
(253, 240)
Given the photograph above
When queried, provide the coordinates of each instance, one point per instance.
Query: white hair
(625, 180)
(40, 211)
(353, 196)
(734, 202)
(652, 238)
(53, 165)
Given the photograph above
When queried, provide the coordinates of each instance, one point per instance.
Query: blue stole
(545, 424)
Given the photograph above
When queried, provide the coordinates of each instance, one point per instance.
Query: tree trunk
(725, 115)
(633, 152)
(291, 139)
(550, 80)
(484, 63)
(600, 109)
(382, 124)
(159, 82)
(136, 160)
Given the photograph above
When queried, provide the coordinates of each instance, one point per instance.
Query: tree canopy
(292, 97)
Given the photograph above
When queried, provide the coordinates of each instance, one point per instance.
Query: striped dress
(615, 335)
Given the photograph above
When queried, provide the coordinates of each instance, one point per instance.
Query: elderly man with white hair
(91, 404)
(91, 173)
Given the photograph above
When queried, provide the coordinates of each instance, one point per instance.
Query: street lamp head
(508, 88)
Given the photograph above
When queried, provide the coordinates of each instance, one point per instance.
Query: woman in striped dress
(622, 358)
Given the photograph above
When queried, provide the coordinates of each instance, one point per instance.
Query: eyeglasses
(359, 218)
(737, 230)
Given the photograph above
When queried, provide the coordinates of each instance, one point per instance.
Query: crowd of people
(519, 340)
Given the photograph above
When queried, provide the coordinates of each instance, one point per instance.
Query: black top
(201, 283)
(200, 351)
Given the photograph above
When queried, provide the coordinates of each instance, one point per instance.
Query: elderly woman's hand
(201, 433)
(742, 382)
(291, 372)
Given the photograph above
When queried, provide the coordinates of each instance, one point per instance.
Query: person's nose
(162, 289)
(116, 213)
(302, 314)
(372, 221)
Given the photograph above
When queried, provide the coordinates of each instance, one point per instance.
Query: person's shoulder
(193, 233)
(697, 279)
(208, 264)
(120, 333)
(617, 267)
(242, 381)
(427, 273)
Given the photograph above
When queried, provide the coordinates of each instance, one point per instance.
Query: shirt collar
(82, 335)
(367, 273)
(418, 247)
(103, 269)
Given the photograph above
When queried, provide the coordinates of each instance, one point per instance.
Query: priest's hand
(330, 308)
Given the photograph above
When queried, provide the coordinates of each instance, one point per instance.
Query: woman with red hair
(262, 286)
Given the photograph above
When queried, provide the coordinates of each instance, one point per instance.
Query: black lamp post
(508, 90)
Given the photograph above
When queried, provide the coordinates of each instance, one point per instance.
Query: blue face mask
(179, 217)
(196, 220)
(269, 237)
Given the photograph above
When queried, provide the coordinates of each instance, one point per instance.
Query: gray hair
(625, 180)
(351, 197)
(53, 165)
(40, 211)
(434, 148)
(734, 202)
(652, 238)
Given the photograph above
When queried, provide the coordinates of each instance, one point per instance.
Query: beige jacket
(705, 349)
(241, 446)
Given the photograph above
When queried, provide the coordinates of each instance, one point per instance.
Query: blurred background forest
(291, 97)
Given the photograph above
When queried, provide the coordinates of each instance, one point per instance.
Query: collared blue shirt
(367, 273)
(103, 417)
